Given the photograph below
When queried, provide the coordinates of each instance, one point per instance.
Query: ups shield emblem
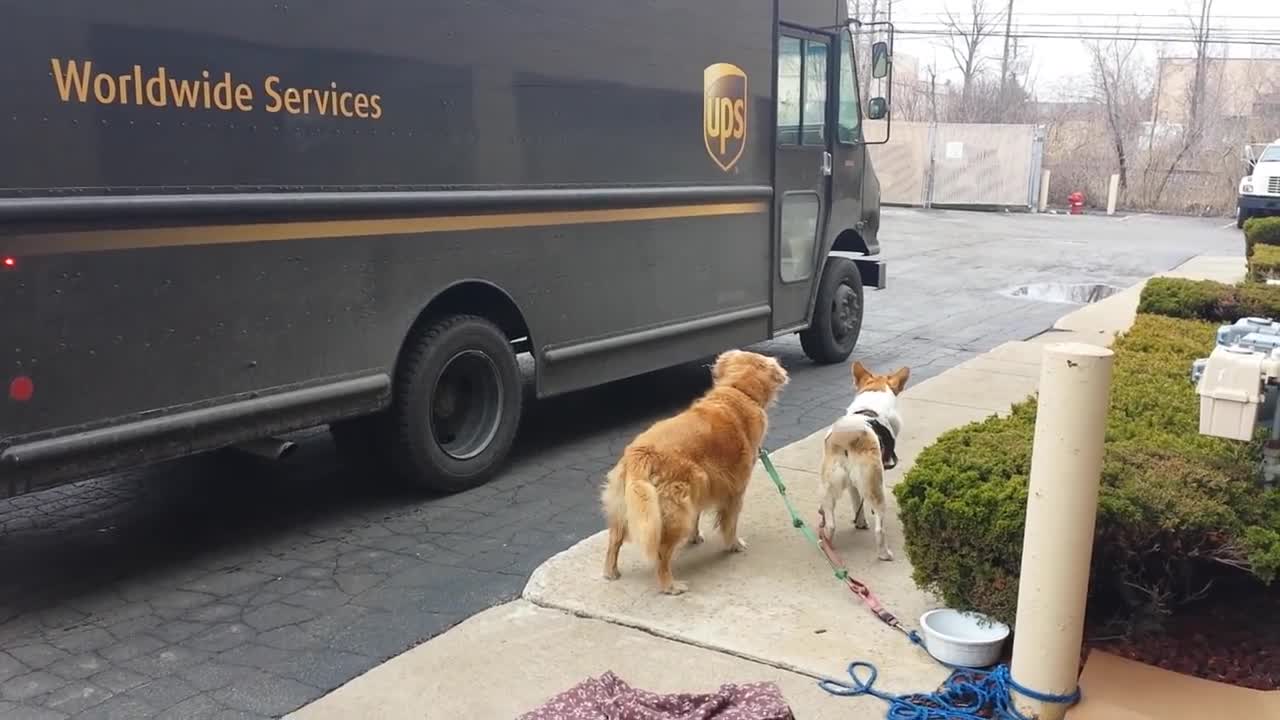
(724, 113)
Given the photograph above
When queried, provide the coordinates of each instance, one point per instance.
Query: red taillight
(21, 388)
(9, 262)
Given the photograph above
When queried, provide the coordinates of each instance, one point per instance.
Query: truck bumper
(1259, 204)
(874, 272)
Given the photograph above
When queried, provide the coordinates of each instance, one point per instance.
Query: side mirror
(877, 108)
(879, 60)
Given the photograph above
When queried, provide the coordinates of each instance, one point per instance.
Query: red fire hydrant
(1076, 201)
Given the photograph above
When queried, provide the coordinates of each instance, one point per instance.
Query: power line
(1028, 13)
(1224, 40)
(1188, 27)
(1043, 35)
(1216, 36)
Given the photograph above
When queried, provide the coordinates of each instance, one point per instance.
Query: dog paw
(738, 546)
(676, 588)
(696, 539)
(612, 574)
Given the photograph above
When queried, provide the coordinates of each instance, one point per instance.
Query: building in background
(1242, 96)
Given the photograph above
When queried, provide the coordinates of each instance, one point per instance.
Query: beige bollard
(1062, 505)
(1113, 194)
(1044, 190)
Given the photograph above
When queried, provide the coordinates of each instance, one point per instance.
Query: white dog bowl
(966, 639)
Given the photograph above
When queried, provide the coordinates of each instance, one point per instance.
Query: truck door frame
(801, 169)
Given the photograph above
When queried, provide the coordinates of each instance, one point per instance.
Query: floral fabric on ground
(609, 698)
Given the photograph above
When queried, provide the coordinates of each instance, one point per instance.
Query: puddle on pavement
(1068, 293)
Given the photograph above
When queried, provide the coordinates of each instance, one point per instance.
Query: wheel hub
(466, 405)
(844, 311)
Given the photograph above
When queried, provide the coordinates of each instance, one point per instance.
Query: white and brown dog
(859, 447)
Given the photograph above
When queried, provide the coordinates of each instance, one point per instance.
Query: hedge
(1176, 508)
(1208, 300)
(1264, 263)
(1261, 231)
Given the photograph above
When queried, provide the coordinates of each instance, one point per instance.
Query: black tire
(837, 313)
(455, 407)
(1241, 217)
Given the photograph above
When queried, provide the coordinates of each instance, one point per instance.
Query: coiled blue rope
(968, 694)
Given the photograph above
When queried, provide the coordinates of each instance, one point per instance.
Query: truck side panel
(115, 333)
(488, 93)
(123, 315)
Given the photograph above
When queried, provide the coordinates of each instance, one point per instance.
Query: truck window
(802, 91)
(849, 120)
(799, 228)
(790, 66)
(815, 92)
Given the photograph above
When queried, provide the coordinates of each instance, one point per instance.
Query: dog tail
(631, 500)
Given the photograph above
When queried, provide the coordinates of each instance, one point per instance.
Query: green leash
(797, 522)
(838, 567)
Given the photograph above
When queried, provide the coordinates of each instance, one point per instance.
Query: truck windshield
(1271, 154)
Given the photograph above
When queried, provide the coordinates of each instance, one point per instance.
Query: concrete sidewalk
(773, 613)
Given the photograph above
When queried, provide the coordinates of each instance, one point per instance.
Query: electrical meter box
(1230, 390)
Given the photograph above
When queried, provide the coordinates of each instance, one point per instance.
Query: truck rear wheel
(456, 405)
(837, 313)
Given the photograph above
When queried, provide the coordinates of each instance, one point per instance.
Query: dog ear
(721, 361)
(860, 373)
(898, 380)
(780, 375)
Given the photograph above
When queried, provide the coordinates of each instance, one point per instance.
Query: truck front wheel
(1242, 216)
(455, 408)
(837, 313)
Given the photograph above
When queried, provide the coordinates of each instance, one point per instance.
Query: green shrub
(1176, 507)
(1261, 231)
(1264, 263)
(1208, 300)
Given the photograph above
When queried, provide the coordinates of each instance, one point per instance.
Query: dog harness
(888, 457)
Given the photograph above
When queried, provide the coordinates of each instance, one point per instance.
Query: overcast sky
(1058, 63)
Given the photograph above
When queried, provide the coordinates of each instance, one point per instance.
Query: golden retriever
(696, 461)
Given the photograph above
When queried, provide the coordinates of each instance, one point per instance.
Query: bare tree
(910, 98)
(1193, 131)
(1120, 86)
(1200, 78)
(966, 36)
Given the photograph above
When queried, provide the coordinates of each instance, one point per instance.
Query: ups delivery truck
(221, 222)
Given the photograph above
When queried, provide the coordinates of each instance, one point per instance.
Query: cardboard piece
(1114, 688)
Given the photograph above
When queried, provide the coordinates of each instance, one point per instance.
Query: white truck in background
(1259, 193)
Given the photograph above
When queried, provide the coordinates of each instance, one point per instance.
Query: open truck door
(803, 168)
(827, 198)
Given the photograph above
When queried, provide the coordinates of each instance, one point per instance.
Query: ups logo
(724, 113)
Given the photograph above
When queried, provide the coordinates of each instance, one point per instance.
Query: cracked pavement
(219, 588)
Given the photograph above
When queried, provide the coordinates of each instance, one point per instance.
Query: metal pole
(1004, 62)
(1062, 505)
